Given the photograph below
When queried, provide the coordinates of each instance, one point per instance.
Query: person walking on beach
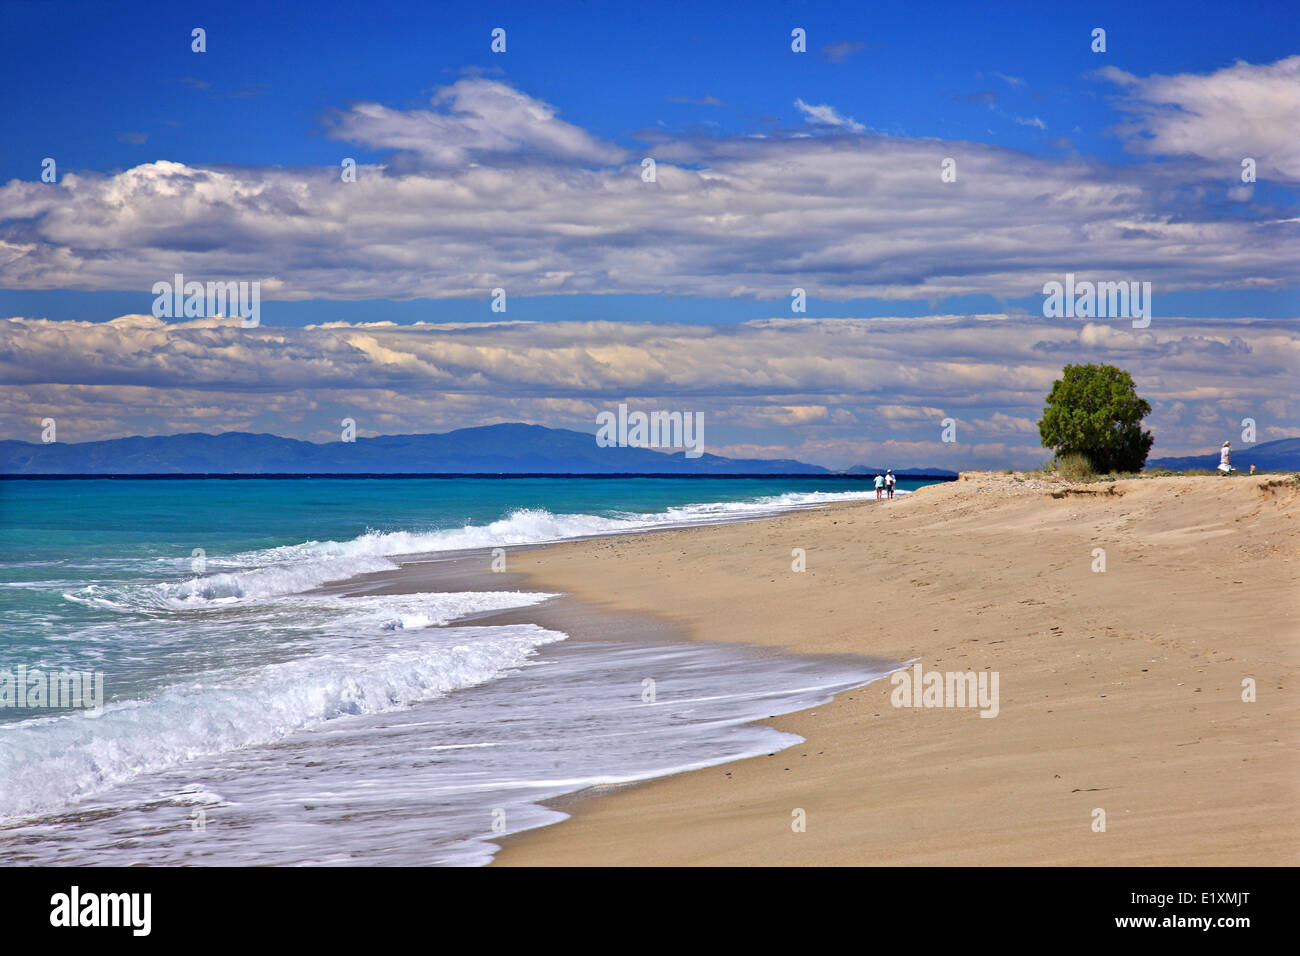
(890, 481)
(1225, 459)
(880, 483)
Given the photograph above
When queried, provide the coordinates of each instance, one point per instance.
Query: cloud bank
(831, 391)
(489, 188)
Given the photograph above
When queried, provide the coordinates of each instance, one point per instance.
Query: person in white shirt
(1225, 459)
(890, 481)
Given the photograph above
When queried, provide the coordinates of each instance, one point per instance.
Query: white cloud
(828, 116)
(490, 189)
(1245, 110)
(478, 117)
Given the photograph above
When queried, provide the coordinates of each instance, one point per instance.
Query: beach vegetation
(1094, 413)
(1074, 466)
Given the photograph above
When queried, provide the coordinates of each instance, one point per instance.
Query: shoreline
(1118, 691)
(590, 626)
(568, 718)
(573, 722)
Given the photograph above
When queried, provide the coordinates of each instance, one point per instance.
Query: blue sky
(92, 73)
(778, 169)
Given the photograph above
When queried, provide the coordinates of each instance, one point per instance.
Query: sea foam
(290, 569)
(377, 655)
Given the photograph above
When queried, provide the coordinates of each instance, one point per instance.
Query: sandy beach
(1120, 690)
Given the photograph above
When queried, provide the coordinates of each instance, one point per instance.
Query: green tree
(1095, 411)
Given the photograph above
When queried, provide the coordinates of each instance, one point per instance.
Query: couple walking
(885, 483)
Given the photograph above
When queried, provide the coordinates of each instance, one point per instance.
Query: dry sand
(1120, 691)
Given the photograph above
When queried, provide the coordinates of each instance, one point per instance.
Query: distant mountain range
(491, 449)
(1280, 455)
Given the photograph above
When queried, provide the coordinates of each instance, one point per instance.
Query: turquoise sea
(250, 715)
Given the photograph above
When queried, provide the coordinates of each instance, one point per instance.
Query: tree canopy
(1095, 411)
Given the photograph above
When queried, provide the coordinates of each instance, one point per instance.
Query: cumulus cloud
(490, 189)
(473, 118)
(1244, 110)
